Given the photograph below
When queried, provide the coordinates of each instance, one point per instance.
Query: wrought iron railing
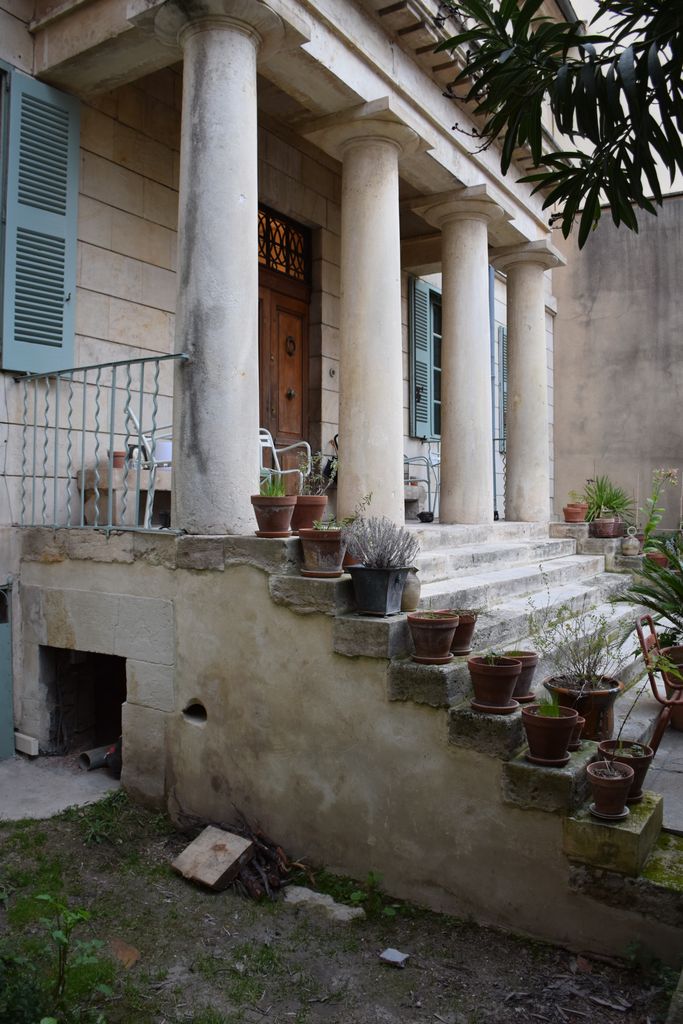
(92, 451)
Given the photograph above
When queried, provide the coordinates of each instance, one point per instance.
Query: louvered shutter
(503, 387)
(39, 271)
(420, 360)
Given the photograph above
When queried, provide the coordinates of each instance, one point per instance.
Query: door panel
(290, 385)
(283, 359)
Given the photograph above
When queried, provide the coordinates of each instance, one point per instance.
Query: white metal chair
(269, 451)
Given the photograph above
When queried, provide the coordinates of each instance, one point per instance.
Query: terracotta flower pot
(273, 515)
(639, 762)
(610, 783)
(548, 736)
(432, 633)
(529, 660)
(118, 459)
(493, 683)
(464, 631)
(308, 508)
(658, 558)
(323, 552)
(575, 738)
(575, 512)
(595, 705)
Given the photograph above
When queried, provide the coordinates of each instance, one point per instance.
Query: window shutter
(39, 279)
(503, 387)
(420, 361)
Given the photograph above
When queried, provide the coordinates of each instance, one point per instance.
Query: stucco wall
(618, 369)
(16, 43)
(298, 738)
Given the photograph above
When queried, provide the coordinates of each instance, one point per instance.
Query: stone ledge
(306, 595)
(549, 789)
(272, 554)
(657, 892)
(572, 531)
(436, 685)
(621, 846)
(369, 637)
(499, 736)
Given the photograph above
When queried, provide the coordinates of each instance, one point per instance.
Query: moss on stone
(665, 865)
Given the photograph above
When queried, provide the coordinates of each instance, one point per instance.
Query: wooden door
(283, 355)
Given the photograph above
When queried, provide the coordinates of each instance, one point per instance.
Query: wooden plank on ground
(214, 858)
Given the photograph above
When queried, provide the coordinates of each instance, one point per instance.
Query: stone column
(370, 349)
(466, 430)
(216, 393)
(527, 470)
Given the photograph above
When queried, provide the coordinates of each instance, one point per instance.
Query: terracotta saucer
(273, 533)
(609, 817)
(548, 762)
(490, 709)
(526, 698)
(432, 661)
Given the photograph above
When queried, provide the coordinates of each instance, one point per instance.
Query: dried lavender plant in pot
(385, 552)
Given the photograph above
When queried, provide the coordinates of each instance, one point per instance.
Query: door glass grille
(283, 245)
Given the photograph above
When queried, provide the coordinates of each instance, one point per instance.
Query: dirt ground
(172, 952)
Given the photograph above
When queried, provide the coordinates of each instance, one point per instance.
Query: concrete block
(94, 546)
(273, 555)
(195, 552)
(40, 544)
(369, 637)
(144, 753)
(80, 620)
(150, 685)
(33, 621)
(24, 744)
(156, 548)
(497, 735)
(436, 685)
(306, 595)
(626, 563)
(548, 789)
(145, 630)
(214, 858)
(656, 894)
(575, 531)
(621, 846)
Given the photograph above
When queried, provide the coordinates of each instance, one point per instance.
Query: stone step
(467, 559)
(555, 790)
(621, 846)
(486, 589)
(437, 535)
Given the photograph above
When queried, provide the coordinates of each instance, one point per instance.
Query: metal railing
(92, 451)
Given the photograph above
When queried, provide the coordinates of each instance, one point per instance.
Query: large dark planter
(323, 552)
(432, 633)
(529, 660)
(639, 762)
(378, 591)
(309, 508)
(493, 683)
(596, 705)
(548, 736)
(610, 789)
(273, 515)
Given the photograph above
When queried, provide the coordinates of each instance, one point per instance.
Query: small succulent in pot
(549, 728)
(273, 508)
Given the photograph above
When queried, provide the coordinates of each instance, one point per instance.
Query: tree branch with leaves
(620, 91)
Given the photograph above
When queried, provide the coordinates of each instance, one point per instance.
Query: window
(502, 388)
(425, 359)
(40, 153)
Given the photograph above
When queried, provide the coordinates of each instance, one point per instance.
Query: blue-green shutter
(420, 360)
(39, 270)
(502, 387)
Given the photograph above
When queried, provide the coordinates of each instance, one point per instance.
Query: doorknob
(290, 394)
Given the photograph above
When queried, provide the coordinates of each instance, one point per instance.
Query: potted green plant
(610, 508)
(432, 633)
(273, 508)
(549, 728)
(311, 500)
(385, 552)
(323, 545)
(654, 513)
(576, 509)
(493, 681)
(585, 650)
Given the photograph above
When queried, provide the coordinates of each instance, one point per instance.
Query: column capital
(176, 21)
(380, 119)
(539, 253)
(473, 203)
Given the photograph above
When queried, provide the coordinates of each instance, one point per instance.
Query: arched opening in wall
(85, 692)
